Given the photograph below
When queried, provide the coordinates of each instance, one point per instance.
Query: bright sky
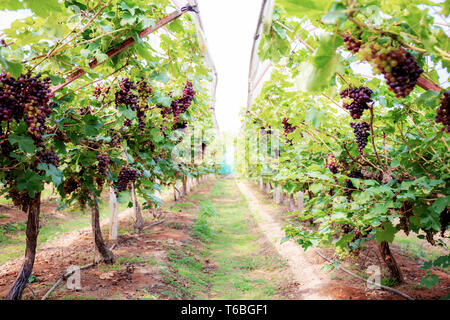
(229, 28)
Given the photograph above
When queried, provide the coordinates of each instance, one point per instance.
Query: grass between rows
(240, 264)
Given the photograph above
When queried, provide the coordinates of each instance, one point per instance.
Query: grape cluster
(100, 90)
(399, 67)
(288, 128)
(125, 94)
(349, 187)
(127, 175)
(181, 105)
(26, 98)
(84, 111)
(356, 100)
(71, 185)
(332, 163)
(116, 138)
(144, 92)
(361, 131)
(443, 112)
(48, 156)
(20, 199)
(352, 44)
(103, 163)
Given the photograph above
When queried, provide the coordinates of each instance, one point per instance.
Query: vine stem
(79, 72)
(92, 82)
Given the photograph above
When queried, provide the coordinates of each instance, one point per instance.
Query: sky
(229, 28)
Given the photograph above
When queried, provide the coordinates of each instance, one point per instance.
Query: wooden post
(300, 203)
(261, 184)
(113, 215)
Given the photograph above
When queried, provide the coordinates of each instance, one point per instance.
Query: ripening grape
(349, 187)
(71, 185)
(399, 67)
(125, 95)
(443, 112)
(332, 163)
(357, 100)
(48, 156)
(288, 128)
(84, 111)
(103, 163)
(361, 131)
(127, 175)
(26, 98)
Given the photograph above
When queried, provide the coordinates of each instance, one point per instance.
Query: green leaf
(386, 232)
(429, 281)
(25, 143)
(92, 125)
(128, 19)
(51, 172)
(440, 204)
(30, 181)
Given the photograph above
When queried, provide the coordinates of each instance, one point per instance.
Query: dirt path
(314, 283)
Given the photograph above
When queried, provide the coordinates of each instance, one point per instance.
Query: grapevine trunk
(390, 262)
(32, 232)
(106, 254)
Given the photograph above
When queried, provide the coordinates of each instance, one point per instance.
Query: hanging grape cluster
(144, 92)
(84, 111)
(26, 98)
(361, 131)
(288, 128)
(71, 184)
(349, 187)
(443, 112)
(399, 67)
(127, 175)
(181, 105)
(103, 163)
(100, 90)
(332, 163)
(125, 95)
(356, 100)
(48, 156)
(116, 138)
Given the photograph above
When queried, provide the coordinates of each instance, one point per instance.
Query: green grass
(12, 242)
(234, 246)
(415, 247)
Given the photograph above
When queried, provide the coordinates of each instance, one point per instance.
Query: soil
(307, 265)
(142, 261)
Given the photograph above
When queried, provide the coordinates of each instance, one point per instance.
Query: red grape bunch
(100, 90)
(352, 44)
(71, 184)
(180, 105)
(349, 187)
(125, 95)
(332, 163)
(127, 175)
(288, 128)
(361, 131)
(103, 163)
(399, 67)
(443, 112)
(356, 100)
(116, 138)
(84, 111)
(48, 157)
(28, 98)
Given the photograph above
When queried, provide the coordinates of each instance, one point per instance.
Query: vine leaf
(25, 143)
(51, 172)
(386, 232)
(30, 181)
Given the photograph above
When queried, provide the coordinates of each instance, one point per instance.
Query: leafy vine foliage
(376, 62)
(104, 130)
